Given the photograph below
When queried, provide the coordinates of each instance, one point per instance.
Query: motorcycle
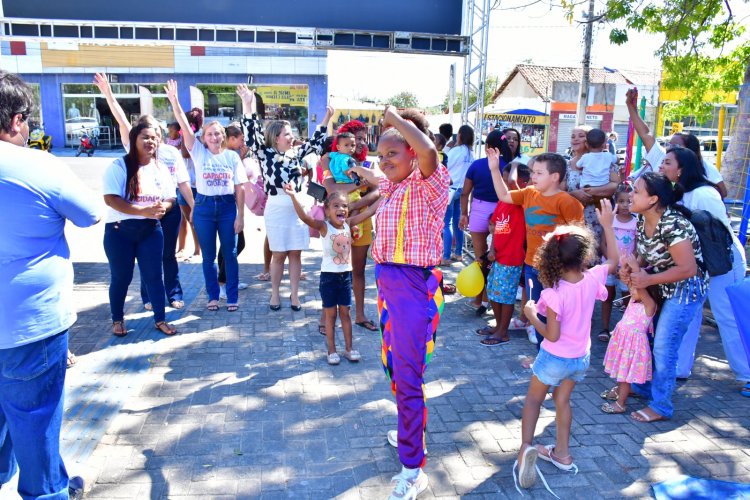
(88, 144)
(38, 139)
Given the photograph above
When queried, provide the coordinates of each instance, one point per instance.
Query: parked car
(710, 146)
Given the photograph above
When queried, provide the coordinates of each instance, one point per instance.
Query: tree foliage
(404, 100)
(490, 86)
(705, 50)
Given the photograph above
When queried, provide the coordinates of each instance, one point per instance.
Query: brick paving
(243, 405)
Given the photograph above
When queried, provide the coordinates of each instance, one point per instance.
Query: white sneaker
(408, 484)
(517, 324)
(393, 440)
(222, 292)
(242, 286)
(531, 333)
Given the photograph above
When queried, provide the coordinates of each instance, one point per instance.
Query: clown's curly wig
(567, 248)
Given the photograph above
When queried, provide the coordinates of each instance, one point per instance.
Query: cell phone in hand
(317, 191)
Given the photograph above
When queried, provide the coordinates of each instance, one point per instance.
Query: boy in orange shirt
(545, 207)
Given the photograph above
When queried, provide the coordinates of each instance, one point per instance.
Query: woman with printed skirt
(407, 250)
(138, 192)
(281, 164)
(170, 158)
(220, 202)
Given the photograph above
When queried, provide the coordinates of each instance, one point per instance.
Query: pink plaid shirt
(409, 220)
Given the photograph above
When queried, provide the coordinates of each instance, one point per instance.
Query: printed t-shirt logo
(534, 218)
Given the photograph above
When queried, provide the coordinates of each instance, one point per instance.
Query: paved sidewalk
(243, 405)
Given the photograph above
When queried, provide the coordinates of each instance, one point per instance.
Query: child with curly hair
(567, 301)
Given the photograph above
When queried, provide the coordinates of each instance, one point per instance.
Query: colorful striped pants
(410, 302)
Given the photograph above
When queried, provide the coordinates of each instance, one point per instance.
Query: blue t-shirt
(480, 175)
(38, 192)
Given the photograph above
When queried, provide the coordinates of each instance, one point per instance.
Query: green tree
(705, 50)
(490, 86)
(404, 100)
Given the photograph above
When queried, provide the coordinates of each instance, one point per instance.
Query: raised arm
(188, 136)
(100, 80)
(251, 127)
(313, 223)
(315, 143)
(631, 102)
(606, 218)
(427, 155)
(493, 157)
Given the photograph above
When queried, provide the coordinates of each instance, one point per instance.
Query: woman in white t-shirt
(138, 191)
(655, 153)
(220, 202)
(682, 166)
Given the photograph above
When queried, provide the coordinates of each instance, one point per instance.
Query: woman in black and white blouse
(281, 164)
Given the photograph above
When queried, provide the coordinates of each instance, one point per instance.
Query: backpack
(259, 189)
(716, 243)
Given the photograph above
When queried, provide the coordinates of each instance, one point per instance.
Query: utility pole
(583, 97)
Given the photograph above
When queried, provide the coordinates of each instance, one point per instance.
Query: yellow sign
(523, 119)
(676, 127)
(291, 95)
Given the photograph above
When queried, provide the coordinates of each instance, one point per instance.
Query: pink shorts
(479, 215)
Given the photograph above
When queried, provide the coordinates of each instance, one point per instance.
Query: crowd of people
(569, 233)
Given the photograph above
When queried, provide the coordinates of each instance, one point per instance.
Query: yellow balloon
(470, 280)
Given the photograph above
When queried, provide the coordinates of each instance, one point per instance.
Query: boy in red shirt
(507, 252)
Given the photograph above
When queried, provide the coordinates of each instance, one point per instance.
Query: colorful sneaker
(531, 333)
(409, 483)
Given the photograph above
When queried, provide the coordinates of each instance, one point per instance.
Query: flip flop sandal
(165, 328)
(213, 306)
(147, 306)
(177, 304)
(263, 277)
(484, 331)
(322, 329)
(367, 325)
(645, 418)
(71, 361)
(232, 307)
(490, 342)
(613, 408)
(449, 289)
(603, 336)
(118, 329)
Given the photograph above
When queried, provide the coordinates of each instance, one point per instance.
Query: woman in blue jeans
(219, 204)
(460, 158)
(683, 166)
(669, 252)
(138, 191)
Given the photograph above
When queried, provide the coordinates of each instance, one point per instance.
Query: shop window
(275, 102)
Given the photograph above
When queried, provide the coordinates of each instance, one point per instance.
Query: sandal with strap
(367, 325)
(547, 453)
(610, 394)
(165, 328)
(213, 305)
(232, 307)
(118, 328)
(177, 304)
(449, 289)
(603, 336)
(613, 408)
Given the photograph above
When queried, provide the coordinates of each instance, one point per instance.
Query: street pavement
(243, 405)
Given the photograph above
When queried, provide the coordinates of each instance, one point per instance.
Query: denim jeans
(32, 377)
(727, 323)
(125, 242)
(212, 215)
(452, 216)
(673, 322)
(170, 226)
(533, 293)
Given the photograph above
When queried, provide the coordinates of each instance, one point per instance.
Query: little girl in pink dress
(628, 358)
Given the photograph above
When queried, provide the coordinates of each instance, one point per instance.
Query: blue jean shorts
(336, 289)
(552, 370)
